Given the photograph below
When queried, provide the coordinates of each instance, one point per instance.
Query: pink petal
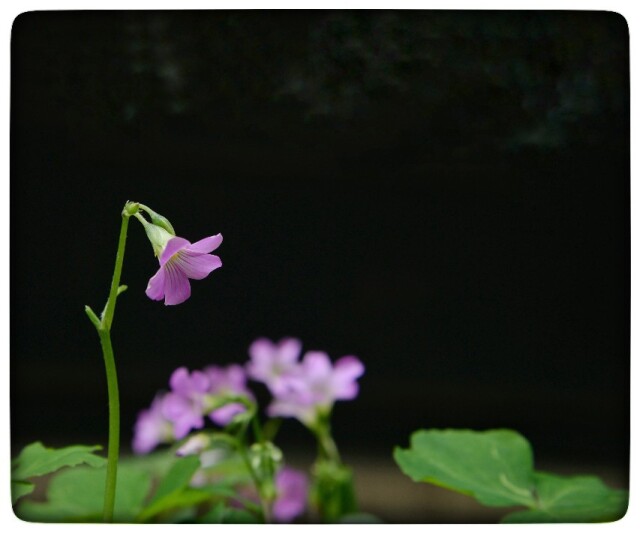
(206, 245)
(199, 381)
(346, 371)
(176, 286)
(155, 287)
(289, 349)
(179, 381)
(348, 368)
(261, 351)
(225, 414)
(317, 365)
(174, 245)
(196, 266)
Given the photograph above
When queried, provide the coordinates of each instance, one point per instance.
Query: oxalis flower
(180, 261)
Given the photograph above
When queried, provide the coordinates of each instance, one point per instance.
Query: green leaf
(178, 477)
(77, 495)
(495, 466)
(573, 499)
(36, 460)
(20, 489)
(172, 491)
(177, 500)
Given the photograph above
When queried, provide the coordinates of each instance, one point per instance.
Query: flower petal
(225, 414)
(317, 365)
(196, 266)
(174, 245)
(176, 285)
(206, 245)
(155, 287)
(180, 382)
(348, 368)
(289, 349)
(346, 371)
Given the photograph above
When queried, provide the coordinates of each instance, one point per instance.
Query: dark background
(443, 194)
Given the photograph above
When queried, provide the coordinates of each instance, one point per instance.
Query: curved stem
(110, 308)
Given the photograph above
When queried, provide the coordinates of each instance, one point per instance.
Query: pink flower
(314, 386)
(152, 427)
(271, 363)
(184, 405)
(229, 381)
(180, 261)
(292, 489)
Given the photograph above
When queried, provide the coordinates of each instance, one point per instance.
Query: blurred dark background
(443, 194)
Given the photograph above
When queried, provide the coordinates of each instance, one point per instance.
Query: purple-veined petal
(206, 245)
(176, 285)
(196, 266)
(155, 287)
(174, 245)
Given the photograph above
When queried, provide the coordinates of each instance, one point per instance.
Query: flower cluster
(192, 397)
(303, 389)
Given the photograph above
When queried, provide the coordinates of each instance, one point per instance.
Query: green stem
(327, 445)
(110, 308)
(242, 450)
(103, 327)
(114, 426)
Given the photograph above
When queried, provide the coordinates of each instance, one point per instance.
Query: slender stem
(110, 308)
(326, 443)
(103, 327)
(114, 426)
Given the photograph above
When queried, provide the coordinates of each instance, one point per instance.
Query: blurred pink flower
(292, 490)
(151, 428)
(271, 363)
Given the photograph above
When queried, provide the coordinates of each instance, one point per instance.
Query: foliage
(496, 468)
(35, 460)
(76, 495)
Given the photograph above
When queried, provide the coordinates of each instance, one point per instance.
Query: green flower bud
(158, 220)
(158, 236)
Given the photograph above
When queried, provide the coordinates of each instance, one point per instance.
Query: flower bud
(158, 220)
(158, 236)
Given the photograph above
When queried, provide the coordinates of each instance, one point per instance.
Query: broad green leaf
(573, 499)
(495, 466)
(36, 460)
(20, 489)
(77, 495)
